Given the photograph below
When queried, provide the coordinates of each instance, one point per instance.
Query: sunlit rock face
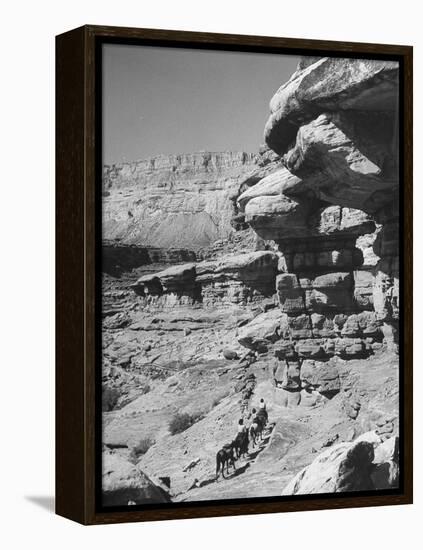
(367, 463)
(330, 85)
(174, 201)
(332, 210)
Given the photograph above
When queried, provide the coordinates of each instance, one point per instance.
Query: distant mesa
(173, 201)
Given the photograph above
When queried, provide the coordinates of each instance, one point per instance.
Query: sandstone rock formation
(237, 279)
(330, 84)
(332, 209)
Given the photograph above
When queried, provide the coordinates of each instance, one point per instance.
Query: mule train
(238, 448)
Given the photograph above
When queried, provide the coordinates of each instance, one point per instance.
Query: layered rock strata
(174, 201)
(238, 279)
(332, 212)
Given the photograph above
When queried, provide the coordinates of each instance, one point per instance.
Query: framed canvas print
(234, 274)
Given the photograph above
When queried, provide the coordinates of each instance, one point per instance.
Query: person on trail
(263, 408)
(241, 439)
(256, 427)
(255, 420)
(241, 426)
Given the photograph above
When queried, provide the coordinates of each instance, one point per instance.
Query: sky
(175, 100)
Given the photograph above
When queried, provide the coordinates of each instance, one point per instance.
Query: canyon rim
(250, 291)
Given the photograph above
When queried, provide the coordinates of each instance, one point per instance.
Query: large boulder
(342, 166)
(278, 216)
(123, 484)
(330, 84)
(345, 467)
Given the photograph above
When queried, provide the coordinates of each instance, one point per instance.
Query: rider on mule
(241, 426)
(241, 439)
(263, 409)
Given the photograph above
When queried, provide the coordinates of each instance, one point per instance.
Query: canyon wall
(174, 201)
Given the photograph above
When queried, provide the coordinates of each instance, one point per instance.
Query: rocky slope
(212, 392)
(293, 296)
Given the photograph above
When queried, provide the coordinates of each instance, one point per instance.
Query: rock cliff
(332, 211)
(174, 201)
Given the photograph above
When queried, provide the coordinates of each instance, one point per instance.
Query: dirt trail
(256, 471)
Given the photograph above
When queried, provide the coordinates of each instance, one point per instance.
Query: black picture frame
(78, 253)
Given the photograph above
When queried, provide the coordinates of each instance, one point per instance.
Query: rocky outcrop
(335, 124)
(239, 278)
(174, 201)
(328, 159)
(330, 85)
(365, 464)
(123, 484)
(332, 211)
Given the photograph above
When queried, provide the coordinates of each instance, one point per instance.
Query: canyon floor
(158, 364)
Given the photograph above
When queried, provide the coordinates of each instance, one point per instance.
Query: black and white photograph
(210, 267)
(250, 275)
